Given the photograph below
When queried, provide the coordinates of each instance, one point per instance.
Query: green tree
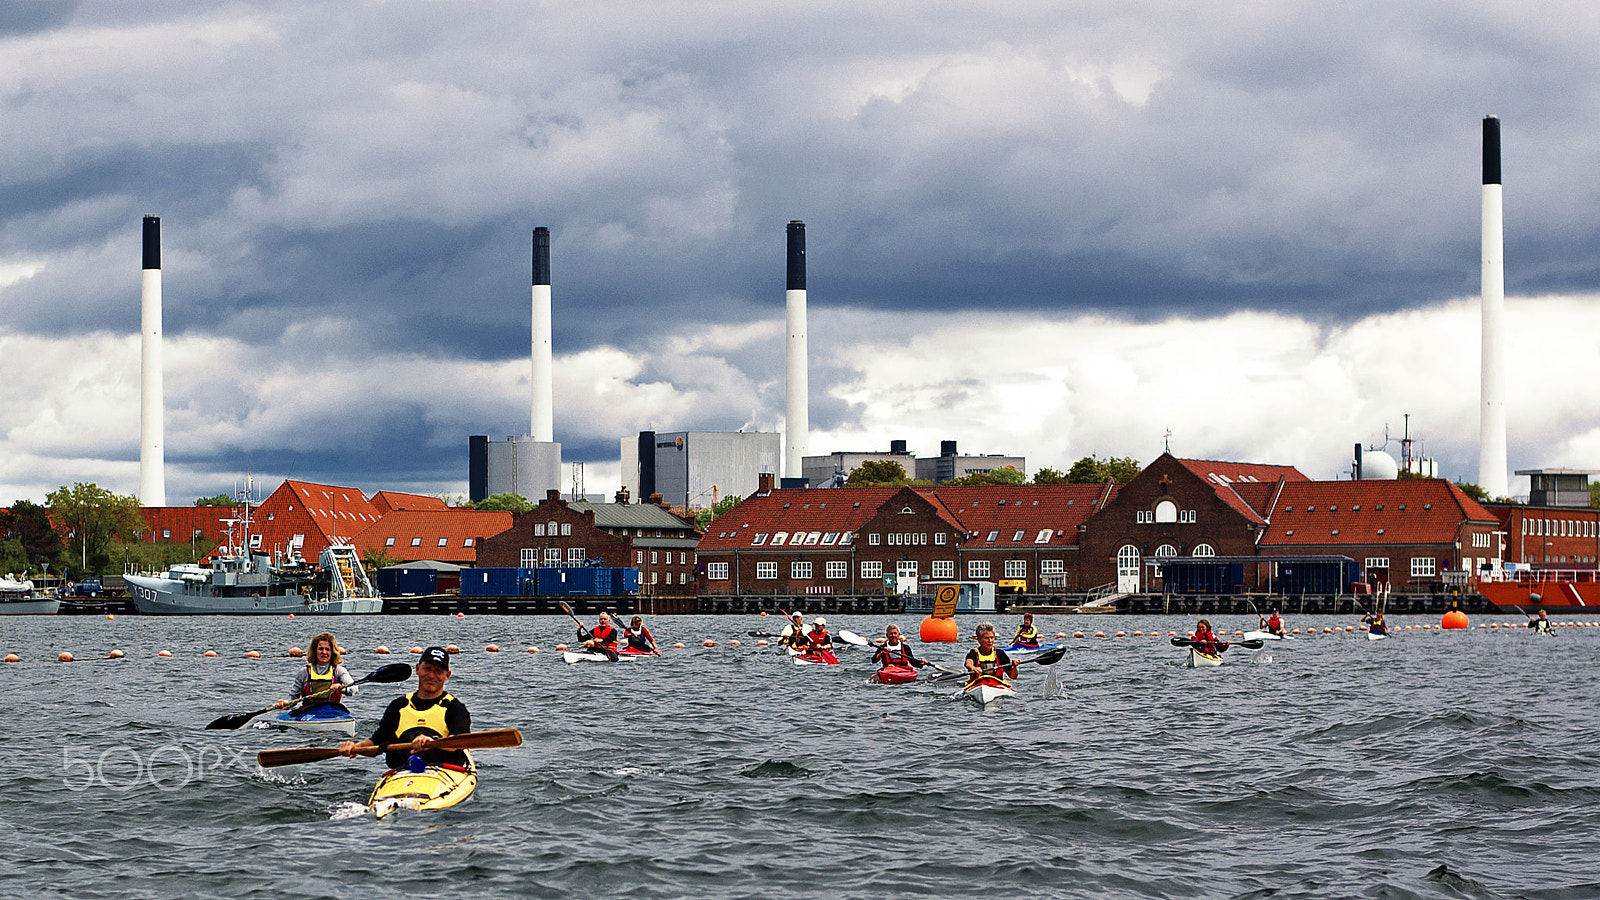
(507, 502)
(1091, 470)
(878, 473)
(1048, 475)
(28, 524)
(13, 559)
(94, 517)
(1594, 495)
(1475, 492)
(379, 558)
(1003, 475)
(218, 500)
(704, 517)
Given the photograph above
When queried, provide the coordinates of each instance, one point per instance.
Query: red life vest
(895, 656)
(604, 634)
(819, 638)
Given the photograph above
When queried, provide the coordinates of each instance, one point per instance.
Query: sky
(1248, 232)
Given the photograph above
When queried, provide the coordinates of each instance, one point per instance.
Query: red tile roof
(389, 501)
(416, 533)
(1409, 511)
(832, 511)
(333, 510)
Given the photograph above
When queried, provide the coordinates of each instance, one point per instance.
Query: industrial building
(695, 469)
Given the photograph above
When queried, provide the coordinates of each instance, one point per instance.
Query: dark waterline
(1324, 767)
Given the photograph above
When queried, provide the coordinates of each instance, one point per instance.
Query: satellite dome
(1377, 465)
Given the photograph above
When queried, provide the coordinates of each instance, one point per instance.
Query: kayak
(1021, 650)
(578, 656)
(819, 657)
(1201, 660)
(1377, 636)
(322, 717)
(435, 787)
(987, 691)
(1265, 636)
(894, 675)
(629, 651)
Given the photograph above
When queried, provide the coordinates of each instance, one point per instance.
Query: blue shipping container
(568, 581)
(489, 582)
(627, 581)
(395, 581)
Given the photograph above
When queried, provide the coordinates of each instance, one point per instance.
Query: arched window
(1204, 550)
(1165, 550)
(1166, 511)
(1128, 569)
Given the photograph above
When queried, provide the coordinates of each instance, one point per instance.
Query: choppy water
(1325, 767)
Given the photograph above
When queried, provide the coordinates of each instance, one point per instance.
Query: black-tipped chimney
(541, 255)
(1491, 149)
(797, 256)
(152, 242)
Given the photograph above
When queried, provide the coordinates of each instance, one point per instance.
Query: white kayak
(1199, 660)
(578, 656)
(987, 691)
(1376, 637)
(1265, 636)
(323, 718)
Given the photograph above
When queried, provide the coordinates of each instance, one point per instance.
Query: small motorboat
(894, 675)
(987, 691)
(322, 717)
(435, 787)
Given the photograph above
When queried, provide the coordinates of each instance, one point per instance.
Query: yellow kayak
(436, 787)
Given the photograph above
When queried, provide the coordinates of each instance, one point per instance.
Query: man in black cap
(420, 717)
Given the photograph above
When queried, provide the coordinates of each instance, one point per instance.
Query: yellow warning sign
(944, 602)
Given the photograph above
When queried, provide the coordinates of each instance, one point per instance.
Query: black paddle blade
(760, 634)
(1049, 657)
(1252, 644)
(233, 722)
(393, 673)
(1181, 642)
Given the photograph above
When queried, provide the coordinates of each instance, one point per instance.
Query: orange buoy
(210, 654)
(1099, 634)
(492, 648)
(678, 646)
(763, 612)
(296, 652)
(1077, 634)
(1455, 618)
(1061, 634)
(561, 648)
(291, 615)
(252, 654)
(1138, 634)
(734, 643)
(451, 648)
(1238, 634)
(1122, 634)
(461, 615)
(939, 631)
(115, 654)
(708, 643)
(381, 650)
(416, 651)
(533, 649)
(12, 657)
(64, 657)
(109, 617)
(165, 653)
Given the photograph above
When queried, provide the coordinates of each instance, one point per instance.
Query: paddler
(639, 637)
(818, 638)
(1027, 635)
(1378, 626)
(794, 633)
(1272, 624)
(986, 660)
(323, 681)
(1541, 623)
(895, 652)
(602, 638)
(1206, 640)
(419, 718)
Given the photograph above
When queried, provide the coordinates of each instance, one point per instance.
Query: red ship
(1567, 590)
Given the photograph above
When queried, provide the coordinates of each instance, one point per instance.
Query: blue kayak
(1019, 650)
(320, 718)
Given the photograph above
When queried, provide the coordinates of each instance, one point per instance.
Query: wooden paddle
(472, 740)
(390, 674)
(1047, 658)
(583, 630)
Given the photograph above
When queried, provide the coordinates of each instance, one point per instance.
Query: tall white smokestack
(1492, 414)
(543, 425)
(152, 458)
(798, 391)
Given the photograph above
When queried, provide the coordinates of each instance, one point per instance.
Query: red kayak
(821, 656)
(629, 651)
(894, 675)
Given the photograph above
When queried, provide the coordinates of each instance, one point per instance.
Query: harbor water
(1454, 764)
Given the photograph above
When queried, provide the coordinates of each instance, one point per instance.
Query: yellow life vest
(322, 684)
(430, 720)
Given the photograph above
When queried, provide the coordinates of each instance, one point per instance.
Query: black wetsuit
(456, 718)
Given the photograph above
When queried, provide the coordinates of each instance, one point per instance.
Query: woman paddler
(986, 660)
(1378, 626)
(1027, 635)
(1206, 640)
(324, 681)
(639, 637)
(895, 651)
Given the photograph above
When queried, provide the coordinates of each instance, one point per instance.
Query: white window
(655, 577)
(1376, 562)
(468, 542)
(1204, 550)
(1052, 567)
(444, 542)
(759, 539)
(831, 538)
(766, 571)
(566, 528)
(416, 542)
(938, 538)
(800, 569)
(847, 538)
(1186, 516)
(813, 538)
(1017, 538)
(780, 538)
(574, 555)
(1016, 568)
(552, 529)
(872, 539)
(943, 568)
(552, 556)
(683, 557)
(838, 568)
(977, 568)
(389, 542)
(1165, 550)
(638, 557)
(654, 557)
(992, 535)
(871, 568)
(530, 557)
(1166, 511)
(1422, 566)
(255, 542)
(1044, 536)
(716, 571)
(1141, 516)
(538, 530)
